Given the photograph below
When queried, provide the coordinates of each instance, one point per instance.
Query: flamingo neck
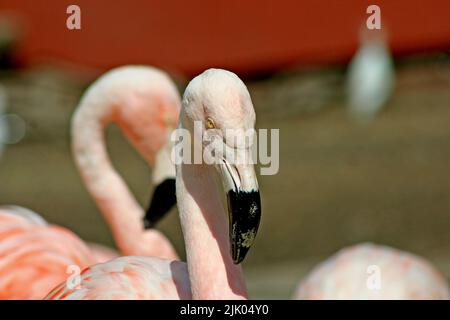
(212, 273)
(112, 196)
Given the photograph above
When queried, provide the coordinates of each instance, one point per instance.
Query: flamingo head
(218, 111)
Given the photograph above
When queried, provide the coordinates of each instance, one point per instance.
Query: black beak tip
(238, 260)
(242, 244)
(163, 199)
(245, 215)
(240, 256)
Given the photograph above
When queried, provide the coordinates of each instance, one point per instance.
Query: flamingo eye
(210, 123)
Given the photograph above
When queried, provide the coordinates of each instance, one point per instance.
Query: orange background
(245, 36)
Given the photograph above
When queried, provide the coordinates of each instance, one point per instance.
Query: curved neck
(112, 196)
(205, 228)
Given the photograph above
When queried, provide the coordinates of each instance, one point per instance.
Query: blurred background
(349, 171)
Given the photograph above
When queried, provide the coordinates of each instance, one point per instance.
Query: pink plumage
(213, 273)
(368, 271)
(102, 253)
(129, 278)
(34, 256)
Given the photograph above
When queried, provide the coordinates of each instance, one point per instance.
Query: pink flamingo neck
(212, 273)
(112, 196)
(118, 206)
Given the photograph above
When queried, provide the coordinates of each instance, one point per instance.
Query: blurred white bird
(368, 271)
(371, 77)
(12, 126)
(3, 123)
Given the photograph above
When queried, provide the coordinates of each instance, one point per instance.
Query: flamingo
(217, 99)
(144, 102)
(371, 76)
(34, 256)
(369, 271)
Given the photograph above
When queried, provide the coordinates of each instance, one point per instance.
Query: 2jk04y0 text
(228, 310)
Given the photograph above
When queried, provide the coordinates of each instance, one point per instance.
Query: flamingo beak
(244, 207)
(163, 200)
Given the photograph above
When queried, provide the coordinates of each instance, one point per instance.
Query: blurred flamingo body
(34, 256)
(368, 271)
(212, 273)
(129, 278)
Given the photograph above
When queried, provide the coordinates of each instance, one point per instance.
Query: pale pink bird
(368, 271)
(144, 102)
(215, 245)
(35, 256)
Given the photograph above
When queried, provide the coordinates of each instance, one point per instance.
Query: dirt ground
(339, 182)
